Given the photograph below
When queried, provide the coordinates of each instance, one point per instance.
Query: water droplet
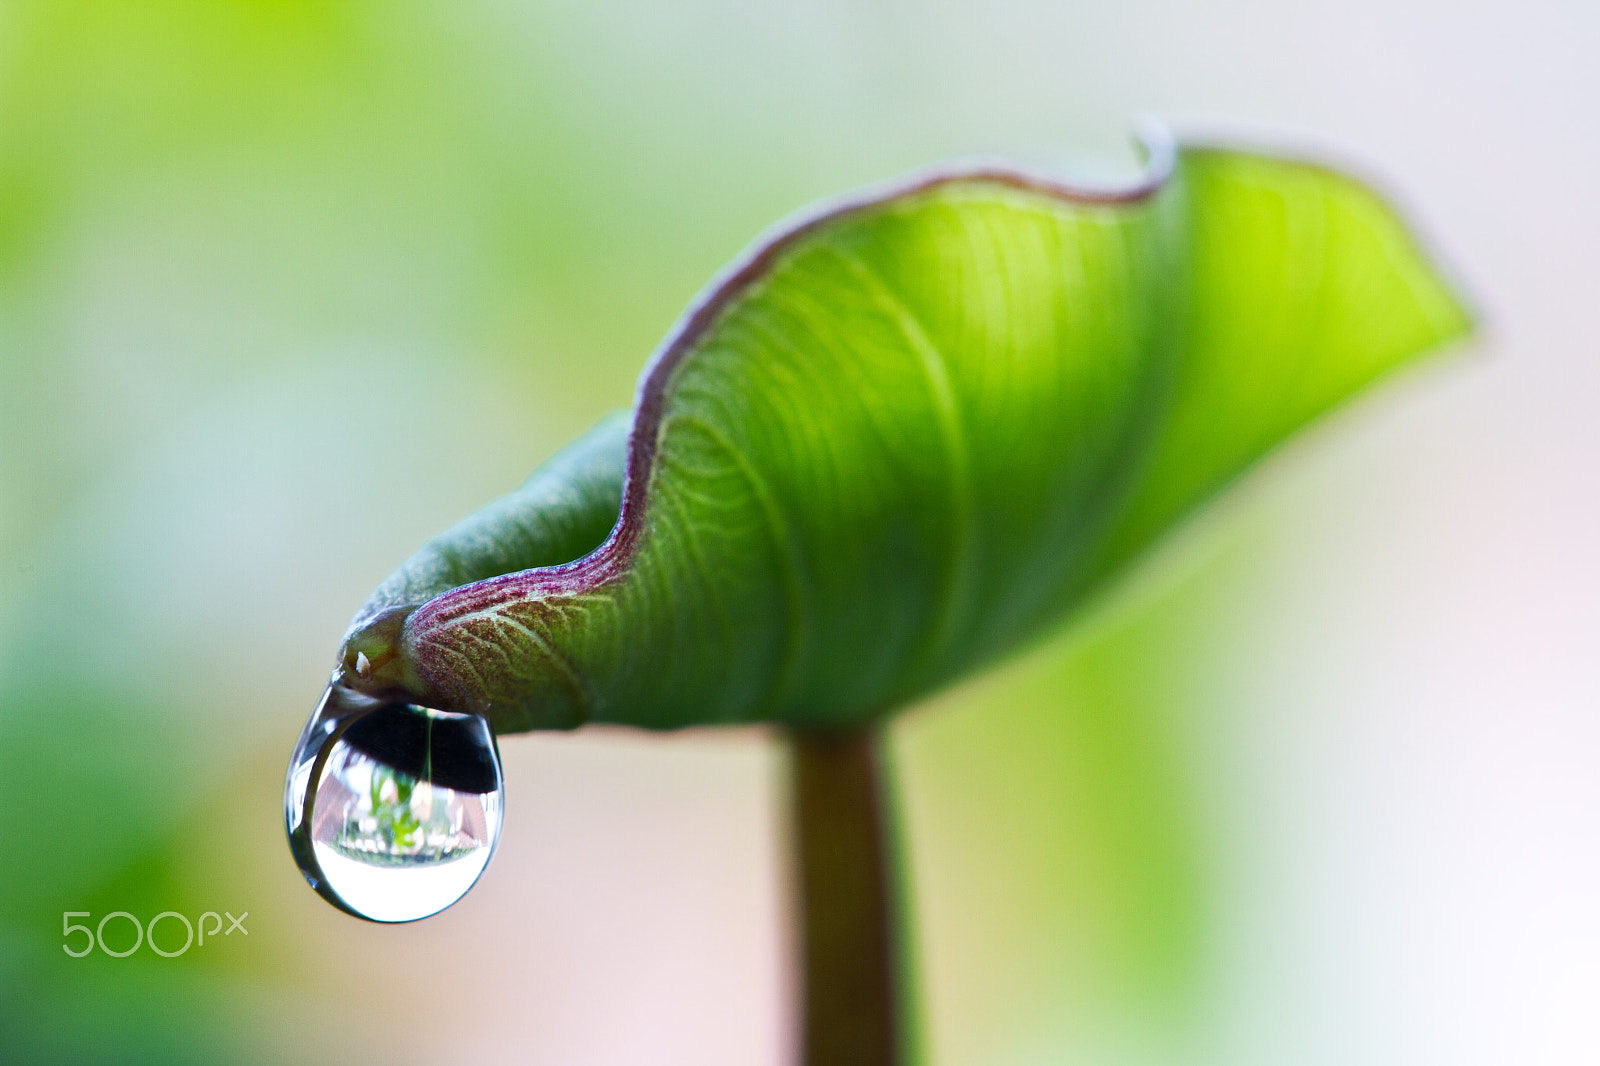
(392, 809)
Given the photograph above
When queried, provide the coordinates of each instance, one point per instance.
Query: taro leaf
(904, 435)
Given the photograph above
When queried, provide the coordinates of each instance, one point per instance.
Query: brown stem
(850, 1003)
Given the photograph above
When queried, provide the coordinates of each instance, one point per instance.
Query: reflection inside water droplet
(392, 809)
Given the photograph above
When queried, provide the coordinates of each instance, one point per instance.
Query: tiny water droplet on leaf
(392, 810)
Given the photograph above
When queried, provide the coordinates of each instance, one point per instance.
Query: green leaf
(904, 435)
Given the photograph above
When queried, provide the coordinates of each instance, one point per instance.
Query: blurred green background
(285, 288)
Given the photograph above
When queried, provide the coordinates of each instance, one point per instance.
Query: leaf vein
(958, 451)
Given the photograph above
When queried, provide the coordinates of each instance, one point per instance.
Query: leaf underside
(903, 437)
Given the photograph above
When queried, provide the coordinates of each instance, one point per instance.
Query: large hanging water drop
(393, 810)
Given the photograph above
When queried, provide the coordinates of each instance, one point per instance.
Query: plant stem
(850, 1003)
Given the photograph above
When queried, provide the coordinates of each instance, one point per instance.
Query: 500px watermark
(146, 934)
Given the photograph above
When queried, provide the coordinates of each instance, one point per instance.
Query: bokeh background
(285, 288)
